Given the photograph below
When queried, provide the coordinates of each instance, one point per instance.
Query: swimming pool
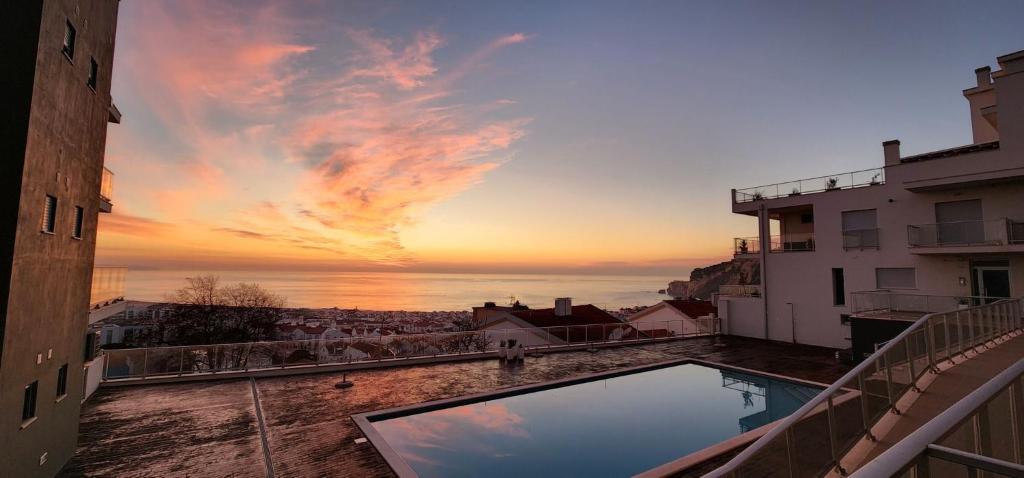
(613, 424)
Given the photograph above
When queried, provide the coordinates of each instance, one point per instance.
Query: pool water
(617, 426)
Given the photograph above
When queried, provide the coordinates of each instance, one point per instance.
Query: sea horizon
(416, 291)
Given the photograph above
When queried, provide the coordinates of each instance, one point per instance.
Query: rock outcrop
(705, 280)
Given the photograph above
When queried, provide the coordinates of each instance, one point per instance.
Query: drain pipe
(792, 321)
(764, 231)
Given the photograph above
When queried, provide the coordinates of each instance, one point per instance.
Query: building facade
(934, 230)
(57, 59)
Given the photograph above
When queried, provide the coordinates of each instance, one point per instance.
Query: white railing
(216, 358)
(812, 441)
(739, 290)
(963, 440)
(795, 242)
(746, 245)
(988, 232)
(884, 301)
(833, 182)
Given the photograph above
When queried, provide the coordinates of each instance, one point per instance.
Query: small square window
(49, 214)
(69, 41)
(62, 381)
(28, 409)
(94, 69)
(79, 218)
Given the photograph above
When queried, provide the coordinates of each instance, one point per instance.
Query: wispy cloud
(265, 137)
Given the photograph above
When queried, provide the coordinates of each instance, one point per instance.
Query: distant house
(674, 317)
(563, 324)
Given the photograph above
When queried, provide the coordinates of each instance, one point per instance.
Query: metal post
(832, 440)
(888, 382)
(181, 361)
(970, 329)
(949, 347)
(959, 336)
(789, 451)
(1013, 392)
(910, 362)
(864, 411)
(145, 362)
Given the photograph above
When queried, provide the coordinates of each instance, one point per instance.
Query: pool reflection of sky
(615, 427)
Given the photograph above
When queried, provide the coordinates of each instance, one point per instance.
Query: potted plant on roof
(874, 179)
(795, 192)
(743, 246)
(758, 195)
(832, 184)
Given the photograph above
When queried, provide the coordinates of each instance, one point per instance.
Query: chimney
(982, 100)
(891, 150)
(563, 307)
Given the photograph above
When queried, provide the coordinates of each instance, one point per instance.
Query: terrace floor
(211, 428)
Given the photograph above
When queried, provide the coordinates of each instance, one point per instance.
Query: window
(895, 278)
(860, 229)
(838, 287)
(69, 41)
(79, 217)
(93, 73)
(62, 381)
(49, 214)
(28, 409)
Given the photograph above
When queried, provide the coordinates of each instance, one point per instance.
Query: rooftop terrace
(212, 429)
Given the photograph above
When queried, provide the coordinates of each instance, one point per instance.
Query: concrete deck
(211, 429)
(949, 387)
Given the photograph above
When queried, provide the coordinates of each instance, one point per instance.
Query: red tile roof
(581, 315)
(693, 308)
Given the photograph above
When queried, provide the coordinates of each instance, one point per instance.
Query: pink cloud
(335, 156)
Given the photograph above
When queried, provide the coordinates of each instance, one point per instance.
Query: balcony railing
(813, 440)
(316, 352)
(860, 239)
(740, 290)
(796, 242)
(987, 232)
(885, 303)
(834, 182)
(107, 185)
(746, 245)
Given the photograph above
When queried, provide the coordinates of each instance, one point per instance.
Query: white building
(675, 318)
(561, 325)
(948, 223)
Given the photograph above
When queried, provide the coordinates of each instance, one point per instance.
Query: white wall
(665, 318)
(743, 316)
(93, 375)
(503, 330)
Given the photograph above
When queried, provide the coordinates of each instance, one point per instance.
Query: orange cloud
(263, 152)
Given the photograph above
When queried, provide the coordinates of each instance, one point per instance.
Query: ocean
(417, 291)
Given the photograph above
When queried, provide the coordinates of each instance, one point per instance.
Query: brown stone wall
(46, 304)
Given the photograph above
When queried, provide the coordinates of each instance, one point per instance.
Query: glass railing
(107, 185)
(989, 232)
(860, 239)
(740, 290)
(796, 242)
(812, 441)
(834, 182)
(981, 435)
(216, 358)
(884, 301)
(746, 245)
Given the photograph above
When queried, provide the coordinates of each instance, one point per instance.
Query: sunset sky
(514, 136)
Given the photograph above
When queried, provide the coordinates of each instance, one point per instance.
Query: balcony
(859, 239)
(746, 246)
(739, 290)
(966, 236)
(795, 242)
(106, 191)
(834, 182)
(884, 304)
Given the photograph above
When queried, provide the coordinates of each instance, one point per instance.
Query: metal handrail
(896, 301)
(890, 462)
(821, 184)
(1007, 320)
(215, 358)
(992, 231)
